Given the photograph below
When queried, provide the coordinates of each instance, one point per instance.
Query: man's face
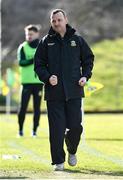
(58, 22)
(31, 35)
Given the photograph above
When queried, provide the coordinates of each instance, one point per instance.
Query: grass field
(100, 156)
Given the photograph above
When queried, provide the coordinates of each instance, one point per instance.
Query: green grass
(100, 157)
(108, 67)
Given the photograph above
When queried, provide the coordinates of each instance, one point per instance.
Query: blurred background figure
(31, 85)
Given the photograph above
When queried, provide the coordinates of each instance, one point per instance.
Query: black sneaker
(20, 134)
(34, 134)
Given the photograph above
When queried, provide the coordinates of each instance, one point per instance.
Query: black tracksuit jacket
(69, 58)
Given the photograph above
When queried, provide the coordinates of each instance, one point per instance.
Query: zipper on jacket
(65, 90)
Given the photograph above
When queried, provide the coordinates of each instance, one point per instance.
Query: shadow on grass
(72, 171)
(6, 177)
(95, 172)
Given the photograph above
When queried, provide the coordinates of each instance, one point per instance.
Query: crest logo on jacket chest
(73, 43)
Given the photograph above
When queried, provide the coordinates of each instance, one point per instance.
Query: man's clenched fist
(53, 80)
(82, 81)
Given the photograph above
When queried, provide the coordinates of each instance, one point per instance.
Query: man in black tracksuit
(64, 62)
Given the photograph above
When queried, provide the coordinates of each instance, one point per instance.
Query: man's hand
(82, 81)
(53, 80)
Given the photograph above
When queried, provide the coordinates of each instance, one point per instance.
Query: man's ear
(66, 20)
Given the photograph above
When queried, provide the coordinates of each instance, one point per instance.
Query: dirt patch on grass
(67, 174)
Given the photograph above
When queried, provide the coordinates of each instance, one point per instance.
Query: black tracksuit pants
(27, 90)
(62, 115)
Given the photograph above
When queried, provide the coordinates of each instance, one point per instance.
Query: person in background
(64, 62)
(31, 85)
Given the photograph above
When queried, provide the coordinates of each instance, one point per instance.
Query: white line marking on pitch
(28, 152)
(97, 153)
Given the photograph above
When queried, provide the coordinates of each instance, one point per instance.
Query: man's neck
(62, 33)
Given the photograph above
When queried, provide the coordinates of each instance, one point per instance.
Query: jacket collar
(34, 43)
(69, 32)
